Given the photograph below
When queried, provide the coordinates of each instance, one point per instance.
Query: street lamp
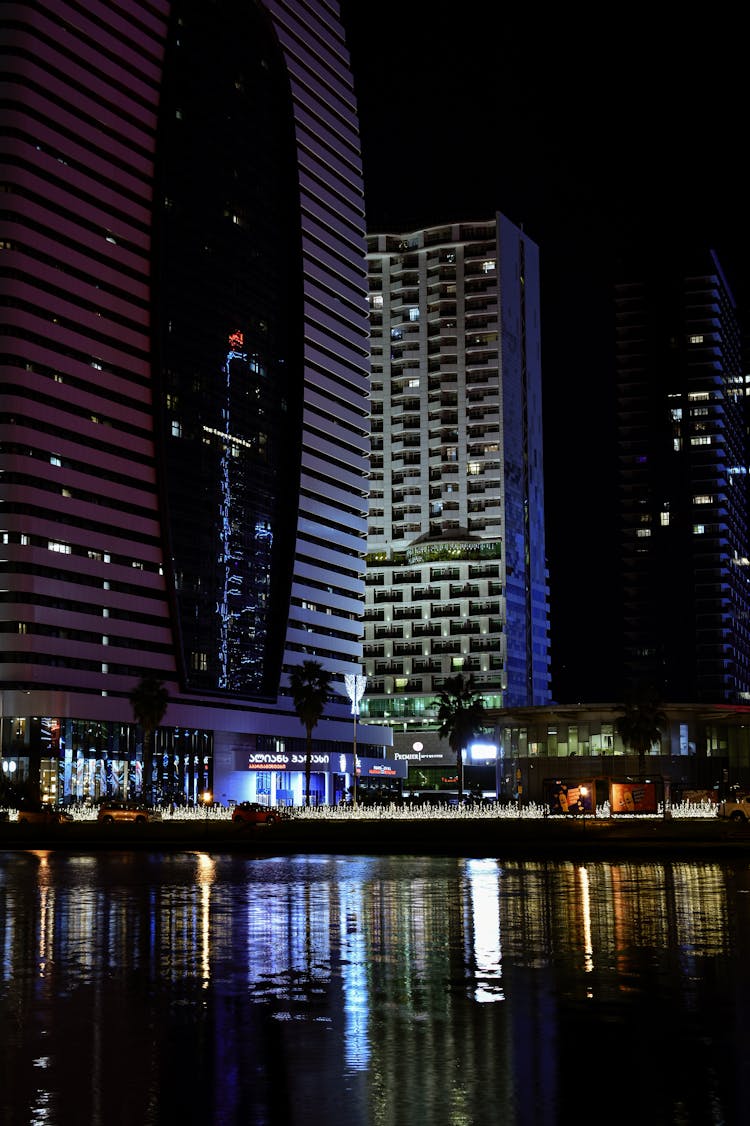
(355, 690)
(207, 796)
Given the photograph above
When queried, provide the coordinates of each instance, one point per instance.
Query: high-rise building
(184, 430)
(683, 473)
(456, 565)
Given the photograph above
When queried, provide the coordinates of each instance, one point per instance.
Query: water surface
(148, 988)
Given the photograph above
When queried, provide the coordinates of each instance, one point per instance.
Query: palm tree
(149, 701)
(641, 722)
(310, 685)
(461, 716)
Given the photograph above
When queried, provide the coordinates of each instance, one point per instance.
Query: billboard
(633, 797)
(569, 797)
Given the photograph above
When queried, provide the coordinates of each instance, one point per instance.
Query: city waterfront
(224, 987)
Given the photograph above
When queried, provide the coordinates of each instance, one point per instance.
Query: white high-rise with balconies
(456, 569)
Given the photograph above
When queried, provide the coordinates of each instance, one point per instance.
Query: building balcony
(444, 610)
(426, 629)
(446, 646)
(468, 590)
(389, 668)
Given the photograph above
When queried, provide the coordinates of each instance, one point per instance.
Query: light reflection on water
(220, 989)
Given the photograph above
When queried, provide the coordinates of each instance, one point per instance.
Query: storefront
(65, 761)
(278, 778)
(69, 760)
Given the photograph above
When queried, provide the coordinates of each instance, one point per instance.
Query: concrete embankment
(553, 837)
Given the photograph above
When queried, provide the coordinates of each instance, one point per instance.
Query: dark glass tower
(683, 464)
(231, 360)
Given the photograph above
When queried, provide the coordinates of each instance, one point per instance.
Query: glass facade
(230, 352)
(83, 761)
(682, 430)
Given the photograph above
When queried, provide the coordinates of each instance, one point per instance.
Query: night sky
(598, 141)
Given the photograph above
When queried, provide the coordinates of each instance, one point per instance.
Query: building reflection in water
(409, 989)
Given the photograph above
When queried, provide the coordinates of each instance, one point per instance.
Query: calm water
(215, 989)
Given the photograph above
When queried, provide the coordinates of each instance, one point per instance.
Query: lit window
(56, 545)
(473, 469)
(412, 383)
(376, 300)
(676, 414)
(701, 440)
(703, 498)
(55, 460)
(413, 313)
(699, 529)
(664, 519)
(696, 339)
(176, 428)
(488, 265)
(641, 532)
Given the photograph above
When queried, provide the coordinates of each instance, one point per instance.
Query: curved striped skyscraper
(184, 425)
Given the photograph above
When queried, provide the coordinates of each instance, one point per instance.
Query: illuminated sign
(482, 752)
(573, 797)
(419, 756)
(325, 762)
(633, 797)
(284, 762)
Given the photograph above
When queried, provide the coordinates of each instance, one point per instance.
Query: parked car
(42, 813)
(735, 809)
(115, 812)
(253, 813)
